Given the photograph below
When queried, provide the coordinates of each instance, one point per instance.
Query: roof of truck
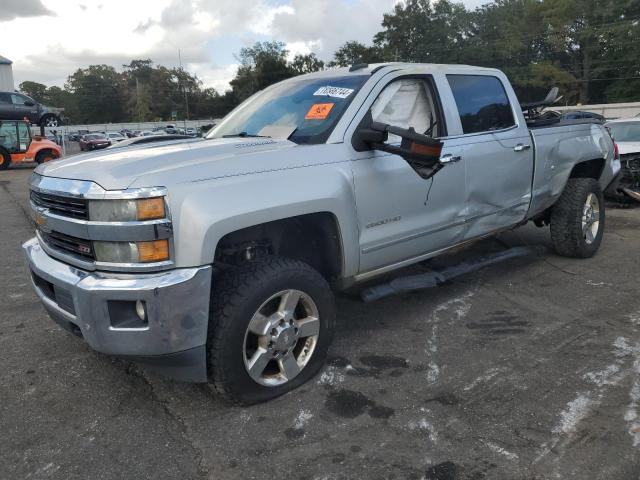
(374, 67)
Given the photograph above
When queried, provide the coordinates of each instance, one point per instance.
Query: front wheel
(270, 327)
(577, 219)
(5, 159)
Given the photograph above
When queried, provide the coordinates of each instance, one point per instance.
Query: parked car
(214, 260)
(17, 106)
(149, 140)
(115, 137)
(127, 133)
(148, 133)
(626, 133)
(17, 145)
(94, 141)
(190, 131)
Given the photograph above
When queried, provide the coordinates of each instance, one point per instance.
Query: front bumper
(177, 303)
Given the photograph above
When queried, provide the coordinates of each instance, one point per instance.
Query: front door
(401, 215)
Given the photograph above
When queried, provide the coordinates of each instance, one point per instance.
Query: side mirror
(420, 151)
(29, 103)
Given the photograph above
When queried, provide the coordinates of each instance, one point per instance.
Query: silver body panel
(387, 216)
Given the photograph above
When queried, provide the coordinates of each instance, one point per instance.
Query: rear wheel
(45, 156)
(5, 159)
(50, 120)
(577, 219)
(270, 327)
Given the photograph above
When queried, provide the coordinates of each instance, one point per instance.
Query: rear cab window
(482, 101)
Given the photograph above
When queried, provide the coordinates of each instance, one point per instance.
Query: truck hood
(163, 165)
(628, 147)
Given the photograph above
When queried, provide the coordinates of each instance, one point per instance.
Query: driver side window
(408, 102)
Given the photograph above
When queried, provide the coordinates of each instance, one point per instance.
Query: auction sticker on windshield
(319, 111)
(337, 92)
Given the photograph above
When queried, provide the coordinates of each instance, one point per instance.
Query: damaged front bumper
(101, 308)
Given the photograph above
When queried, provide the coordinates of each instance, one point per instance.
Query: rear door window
(482, 103)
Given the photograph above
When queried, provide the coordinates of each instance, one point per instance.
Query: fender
(238, 202)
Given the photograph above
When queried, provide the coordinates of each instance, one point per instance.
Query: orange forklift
(17, 145)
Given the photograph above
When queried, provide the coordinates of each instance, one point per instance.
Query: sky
(49, 39)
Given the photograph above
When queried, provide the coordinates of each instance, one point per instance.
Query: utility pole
(184, 88)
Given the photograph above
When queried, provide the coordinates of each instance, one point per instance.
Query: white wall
(6, 78)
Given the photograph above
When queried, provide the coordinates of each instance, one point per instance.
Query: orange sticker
(319, 111)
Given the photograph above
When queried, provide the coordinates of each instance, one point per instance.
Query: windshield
(625, 132)
(302, 110)
(94, 137)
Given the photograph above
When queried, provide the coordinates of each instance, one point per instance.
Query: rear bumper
(90, 304)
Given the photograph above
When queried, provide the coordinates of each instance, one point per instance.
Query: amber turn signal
(155, 251)
(150, 208)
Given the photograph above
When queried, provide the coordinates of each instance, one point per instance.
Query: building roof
(5, 61)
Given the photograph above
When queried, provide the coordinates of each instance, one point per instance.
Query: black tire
(237, 295)
(567, 233)
(50, 120)
(43, 154)
(5, 159)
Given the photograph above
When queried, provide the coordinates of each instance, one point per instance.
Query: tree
(354, 52)
(425, 31)
(98, 92)
(306, 64)
(35, 90)
(594, 40)
(260, 66)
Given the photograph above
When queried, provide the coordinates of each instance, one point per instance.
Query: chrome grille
(59, 205)
(76, 246)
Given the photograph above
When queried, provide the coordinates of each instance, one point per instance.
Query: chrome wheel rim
(281, 338)
(52, 122)
(591, 219)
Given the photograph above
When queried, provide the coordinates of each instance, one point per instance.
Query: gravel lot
(528, 369)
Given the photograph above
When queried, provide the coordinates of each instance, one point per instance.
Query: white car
(115, 136)
(149, 133)
(626, 133)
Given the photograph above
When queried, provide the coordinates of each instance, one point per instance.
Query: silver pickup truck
(214, 260)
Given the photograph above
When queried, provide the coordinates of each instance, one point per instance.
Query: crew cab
(17, 145)
(214, 261)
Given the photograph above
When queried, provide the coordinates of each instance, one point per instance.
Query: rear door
(401, 215)
(496, 147)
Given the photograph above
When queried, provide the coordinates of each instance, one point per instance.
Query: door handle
(521, 147)
(448, 158)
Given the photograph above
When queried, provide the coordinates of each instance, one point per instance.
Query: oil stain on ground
(499, 323)
(350, 404)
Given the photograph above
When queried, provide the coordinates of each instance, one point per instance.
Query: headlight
(126, 210)
(131, 252)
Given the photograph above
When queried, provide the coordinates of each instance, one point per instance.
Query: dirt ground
(527, 369)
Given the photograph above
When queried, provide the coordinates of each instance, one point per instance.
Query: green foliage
(588, 48)
(353, 52)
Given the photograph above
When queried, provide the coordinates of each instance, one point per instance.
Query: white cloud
(72, 35)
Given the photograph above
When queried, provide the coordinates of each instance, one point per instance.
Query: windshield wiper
(244, 134)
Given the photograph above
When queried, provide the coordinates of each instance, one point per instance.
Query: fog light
(141, 310)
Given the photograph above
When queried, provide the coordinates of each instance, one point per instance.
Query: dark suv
(16, 106)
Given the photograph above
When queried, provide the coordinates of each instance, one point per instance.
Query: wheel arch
(588, 169)
(314, 238)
